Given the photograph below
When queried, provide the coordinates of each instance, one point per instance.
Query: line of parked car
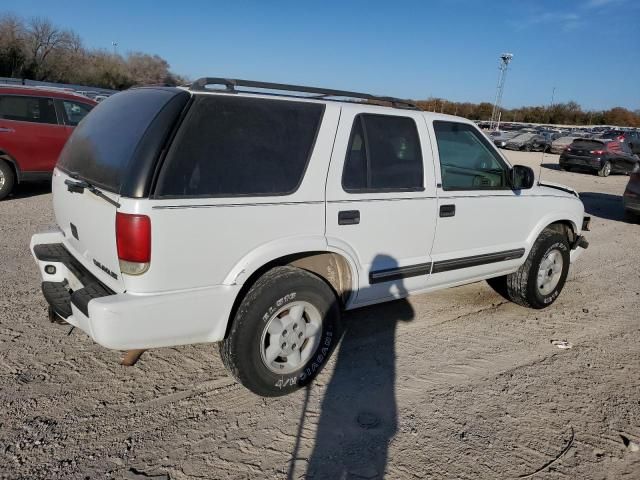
(597, 150)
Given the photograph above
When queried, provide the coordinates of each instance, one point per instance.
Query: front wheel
(605, 170)
(283, 332)
(539, 281)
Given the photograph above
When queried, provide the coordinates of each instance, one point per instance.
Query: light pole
(115, 47)
(505, 58)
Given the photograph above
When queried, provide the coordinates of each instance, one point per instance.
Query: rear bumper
(125, 321)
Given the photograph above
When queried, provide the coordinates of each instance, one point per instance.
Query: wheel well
(564, 227)
(6, 158)
(331, 267)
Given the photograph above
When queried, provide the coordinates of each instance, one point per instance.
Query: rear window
(103, 144)
(238, 146)
(587, 145)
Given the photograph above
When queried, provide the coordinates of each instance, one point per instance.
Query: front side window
(467, 160)
(239, 146)
(28, 109)
(75, 111)
(383, 155)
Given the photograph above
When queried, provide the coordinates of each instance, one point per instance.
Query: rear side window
(467, 160)
(238, 146)
(75, 111)
(384, 154)
(104, 143)
(28, 109)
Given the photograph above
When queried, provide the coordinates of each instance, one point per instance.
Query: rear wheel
(283, 332)
(7, 179)
(539, 281)
(605, 170)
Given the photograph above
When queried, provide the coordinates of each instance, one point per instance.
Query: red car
(34, 126)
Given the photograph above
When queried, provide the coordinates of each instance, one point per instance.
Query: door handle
(349, 217)
(6, 130)
(447, 210)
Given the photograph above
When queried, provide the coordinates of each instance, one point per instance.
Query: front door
(483, 224)
(381, 205)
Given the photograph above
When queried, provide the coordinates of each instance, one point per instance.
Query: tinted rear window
(103, 144)
(232, 146)
(587, 145)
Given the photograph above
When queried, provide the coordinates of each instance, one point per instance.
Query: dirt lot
(456, 384)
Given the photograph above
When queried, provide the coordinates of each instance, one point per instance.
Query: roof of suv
(314, 94)
(43, 91)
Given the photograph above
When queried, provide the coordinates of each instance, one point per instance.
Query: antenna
(553, 94)
(505, 59)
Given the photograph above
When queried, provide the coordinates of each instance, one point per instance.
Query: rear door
(114, 149)
(30, 131)
(381, 206)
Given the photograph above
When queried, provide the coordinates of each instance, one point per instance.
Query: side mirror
(521, 177)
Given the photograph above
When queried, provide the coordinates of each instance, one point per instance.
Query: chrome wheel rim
(2, 180)
(290, 337)
(607, 169)
(550, 271)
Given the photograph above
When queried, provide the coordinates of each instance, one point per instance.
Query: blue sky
(589, 50)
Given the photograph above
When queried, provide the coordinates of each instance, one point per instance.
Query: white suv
(253, 214)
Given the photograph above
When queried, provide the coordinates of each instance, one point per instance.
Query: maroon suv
(34, 126)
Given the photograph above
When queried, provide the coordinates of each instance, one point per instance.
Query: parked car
(528, 142)
(257, 218)
(503, 137)
(631, 196)
(559, 144)
(599, 155)
(34, 126)
(631, 137)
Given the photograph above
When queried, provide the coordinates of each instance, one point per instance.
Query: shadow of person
(358, 416)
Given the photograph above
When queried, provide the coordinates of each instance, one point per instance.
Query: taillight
(596, 152)
(133, 238)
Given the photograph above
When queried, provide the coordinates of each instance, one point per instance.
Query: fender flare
(547, 220)
(269, 252)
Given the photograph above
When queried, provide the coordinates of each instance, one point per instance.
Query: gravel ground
(454, 384)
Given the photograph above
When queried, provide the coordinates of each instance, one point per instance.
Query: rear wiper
(79, 186)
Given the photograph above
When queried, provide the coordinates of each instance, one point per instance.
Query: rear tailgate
(88, 223)
(115, 150)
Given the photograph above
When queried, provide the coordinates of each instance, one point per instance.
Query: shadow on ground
(26, 190)
(359, 417)
(604, 205)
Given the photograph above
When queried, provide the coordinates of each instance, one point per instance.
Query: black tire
(522, 285)
(605, 170)
(631, 217)
(7, 179)
(241, 350)
(499, 284)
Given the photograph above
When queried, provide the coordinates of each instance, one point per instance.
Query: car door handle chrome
(349, 217)
(6, 130)
(447, 210)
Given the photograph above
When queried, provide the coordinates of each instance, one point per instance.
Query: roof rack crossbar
(232, 83)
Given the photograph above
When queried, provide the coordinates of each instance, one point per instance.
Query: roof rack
(320, 93)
